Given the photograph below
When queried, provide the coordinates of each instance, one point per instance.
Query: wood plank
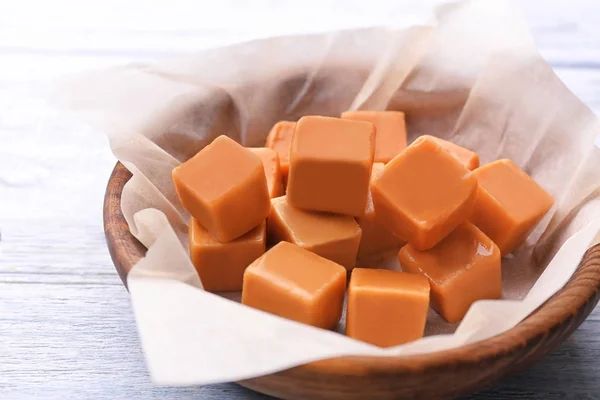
(78, 341)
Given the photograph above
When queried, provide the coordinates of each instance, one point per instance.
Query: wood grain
(67, 330)
(115, 226)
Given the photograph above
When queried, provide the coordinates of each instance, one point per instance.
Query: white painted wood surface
(66, 325)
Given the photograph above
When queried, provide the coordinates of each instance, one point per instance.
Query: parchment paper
(472, 75)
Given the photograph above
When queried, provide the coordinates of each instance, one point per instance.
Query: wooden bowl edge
(558, 317)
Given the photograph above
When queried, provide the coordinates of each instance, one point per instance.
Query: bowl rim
(578, 296)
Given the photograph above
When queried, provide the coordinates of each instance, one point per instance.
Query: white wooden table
(66, 325)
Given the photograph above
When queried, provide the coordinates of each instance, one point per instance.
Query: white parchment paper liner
(472, 75)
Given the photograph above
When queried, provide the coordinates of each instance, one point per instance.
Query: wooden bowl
(445, 374)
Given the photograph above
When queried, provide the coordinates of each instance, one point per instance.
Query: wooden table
(66, 325)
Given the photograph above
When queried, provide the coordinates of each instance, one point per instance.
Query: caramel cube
(423, 194)
(221, 266)
(333, 236)
(270, 161)
(227, 198)
(280, 140)
(330, 165)
(375, 238)
(294, 283)
(466, 157)
(386, 308)
(462, 268)
(390, 139)
(509, 204)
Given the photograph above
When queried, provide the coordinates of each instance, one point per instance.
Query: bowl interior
(458, 370)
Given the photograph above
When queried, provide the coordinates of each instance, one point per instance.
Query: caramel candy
(423, 194)
(375, 238)
(386, 308)
(333, 236)
(462, 268)
(390, 139)
(294, 283)
(468, 158)
(270, 161)
(330, 165)
(280, 140)
(221, 266)
(509, 204)
(227, 198)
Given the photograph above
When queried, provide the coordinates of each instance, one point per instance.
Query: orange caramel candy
(462, 268)
(270, 161)
(297, 284)
(221, 266)
(375, 238)
(227, 198)
(468, 158)
(330, 165)
(423, 194)
(386, 308)
(333, 236)
(509, 204)
(280, 140)
(390, 139)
